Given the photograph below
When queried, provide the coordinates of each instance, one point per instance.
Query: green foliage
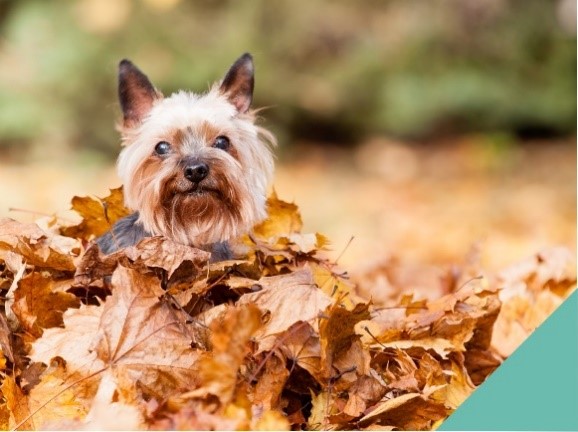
(334, 70)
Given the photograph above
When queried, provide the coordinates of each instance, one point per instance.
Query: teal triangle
(536, 388)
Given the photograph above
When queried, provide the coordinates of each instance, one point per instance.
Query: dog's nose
(196, 172)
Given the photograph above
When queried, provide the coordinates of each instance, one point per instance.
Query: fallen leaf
(17, 405)
(39, 303)
(143, 339)
(160, 252)
(407, 412)
(300, 343)
(98, 215)
(460, 386)
(365, 392)
(269, 386)
(229, 334)
(288, 299)
(342, 354)
(283, 220)
(37, 247)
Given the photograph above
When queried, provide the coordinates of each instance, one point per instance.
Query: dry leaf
(139, 336)
(17, 405)
(342, 354)
(283, 220)
(37, 247)
(160, 252)
(230, 334)
(268, 389)
(39, 303)
(98, 215)
(288, 299)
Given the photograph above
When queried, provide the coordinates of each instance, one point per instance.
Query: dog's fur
(195, 168)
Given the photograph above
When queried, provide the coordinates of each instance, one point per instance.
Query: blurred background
(417, 128)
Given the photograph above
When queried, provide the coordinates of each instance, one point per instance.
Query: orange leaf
(98, 215)
(37, 247)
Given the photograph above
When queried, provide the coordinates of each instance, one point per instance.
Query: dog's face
(195, 167)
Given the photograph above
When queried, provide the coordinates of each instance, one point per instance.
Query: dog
(195, 167)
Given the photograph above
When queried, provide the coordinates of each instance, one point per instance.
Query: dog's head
(195, 167)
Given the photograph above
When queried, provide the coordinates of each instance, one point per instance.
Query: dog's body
(195, 168)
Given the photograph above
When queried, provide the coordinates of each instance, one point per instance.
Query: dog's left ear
(238, 84)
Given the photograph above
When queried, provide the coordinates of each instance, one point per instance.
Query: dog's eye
(162, 148)
(222, 142)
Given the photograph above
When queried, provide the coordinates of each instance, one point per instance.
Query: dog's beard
(218, 208)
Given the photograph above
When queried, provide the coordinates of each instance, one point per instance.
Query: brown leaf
(460, 386)
(300, 343)
(366, 391)
(98, 215)
(5, 339)
(407, 412)
(54, 400)
(93, 266)
(480, 364)
(37, 247)
(334, 285)
(283, 220)
(17, 404)
(149, 254)
(321, 410)
(39, 302)
(160, 252)
(270, 385)
(230, 334)
(141, 338)
(74, 342)
(341, 349)
(288, 299)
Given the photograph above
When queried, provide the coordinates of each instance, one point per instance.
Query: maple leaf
(283, 220)
(39, 302)
(37, 247)
(98, 215)
(141, 338)
(531, 290)
(230, 333)
(300, 343)
(334, 285)
(267, 395)
(17, 405)
(343, 358)
(409, 411)
(288, 299)
(365, 392)
(160, 252)
(460, 386)
(149, 254)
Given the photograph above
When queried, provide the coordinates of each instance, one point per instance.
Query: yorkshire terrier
(195, 167)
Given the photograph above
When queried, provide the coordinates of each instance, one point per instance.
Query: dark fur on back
(128, 232)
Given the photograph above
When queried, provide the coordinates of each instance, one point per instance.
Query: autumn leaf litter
(156, 337)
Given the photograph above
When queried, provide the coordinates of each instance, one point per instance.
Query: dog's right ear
(135, 92)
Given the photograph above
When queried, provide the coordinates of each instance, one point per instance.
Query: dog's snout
(196, 172)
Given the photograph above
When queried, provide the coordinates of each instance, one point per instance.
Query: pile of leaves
(157, 337)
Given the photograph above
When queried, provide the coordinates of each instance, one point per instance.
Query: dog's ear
(135, 92)
(238, 84)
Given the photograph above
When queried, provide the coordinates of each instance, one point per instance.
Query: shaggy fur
(222, 203)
